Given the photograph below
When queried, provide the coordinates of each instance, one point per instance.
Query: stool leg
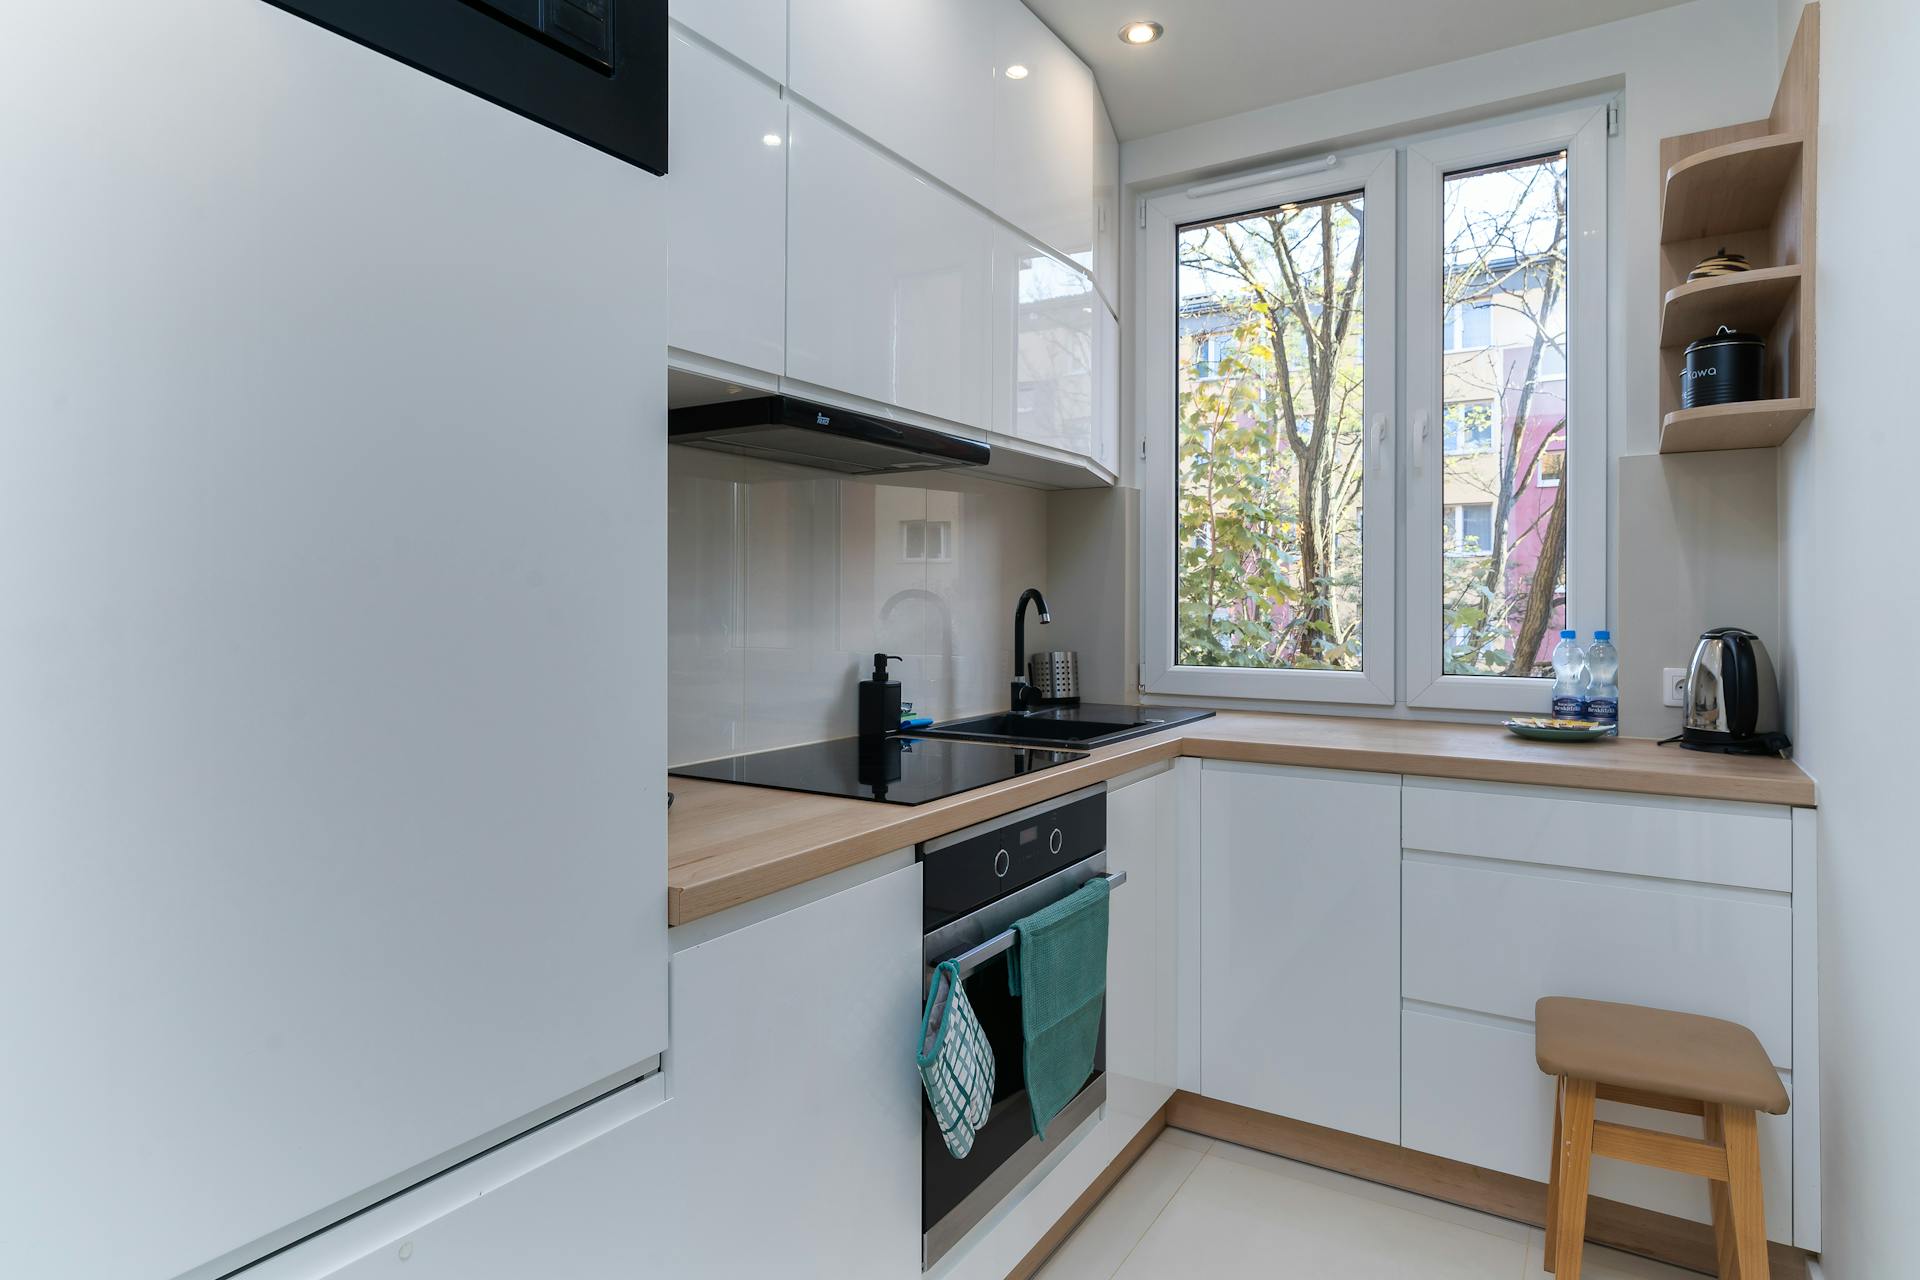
(1716, 1132)
(1744, 1195)
(1553, 1175)
(1576, 1162)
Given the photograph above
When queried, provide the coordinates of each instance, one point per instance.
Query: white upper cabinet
(754, 31)
(726, 189)
(1044, 104)
(888, 280)
(916, 76)
(1045, 348)
(1106, 204)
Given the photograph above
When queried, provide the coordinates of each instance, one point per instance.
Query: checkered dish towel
(956, 1062)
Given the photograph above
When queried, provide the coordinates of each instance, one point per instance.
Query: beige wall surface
(1699, 547)
(784, 581)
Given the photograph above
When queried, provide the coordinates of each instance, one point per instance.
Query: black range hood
(786, 429)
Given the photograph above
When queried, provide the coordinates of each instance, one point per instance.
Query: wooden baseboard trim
(1096, 1192)
(1629, 1228)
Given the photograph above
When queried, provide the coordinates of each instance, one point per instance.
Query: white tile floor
(1192, 1207)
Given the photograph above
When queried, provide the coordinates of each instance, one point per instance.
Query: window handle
(1421, 427)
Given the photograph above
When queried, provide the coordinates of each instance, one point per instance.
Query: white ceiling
(1221, 57)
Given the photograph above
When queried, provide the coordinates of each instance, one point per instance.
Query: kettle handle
(1742, 680)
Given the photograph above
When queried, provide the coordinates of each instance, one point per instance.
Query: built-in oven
(976, 883)
(596, 70)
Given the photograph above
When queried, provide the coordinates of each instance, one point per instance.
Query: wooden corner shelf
(1752, 424)
(1734, 187)
(1750, 189)
(1751, 300)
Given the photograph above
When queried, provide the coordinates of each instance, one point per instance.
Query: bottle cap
(1603, 635)
(1568, 635)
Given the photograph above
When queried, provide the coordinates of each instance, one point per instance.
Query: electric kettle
(1732, 703)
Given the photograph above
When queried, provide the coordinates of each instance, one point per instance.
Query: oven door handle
(1002, 942)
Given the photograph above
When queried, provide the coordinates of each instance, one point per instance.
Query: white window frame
(1583, 132)
(1374, 174)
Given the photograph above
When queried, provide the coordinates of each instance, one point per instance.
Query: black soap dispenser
(880, 699)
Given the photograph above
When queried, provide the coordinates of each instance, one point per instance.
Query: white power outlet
(1673, 686)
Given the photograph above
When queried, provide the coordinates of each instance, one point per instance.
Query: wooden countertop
(728, 843)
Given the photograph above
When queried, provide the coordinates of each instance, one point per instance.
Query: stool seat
(1681, 1055)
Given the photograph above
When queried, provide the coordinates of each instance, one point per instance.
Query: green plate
(1541, 731)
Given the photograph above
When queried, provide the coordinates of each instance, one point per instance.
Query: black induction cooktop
(894, 770)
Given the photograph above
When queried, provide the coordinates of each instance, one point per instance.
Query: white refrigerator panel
(332, 596)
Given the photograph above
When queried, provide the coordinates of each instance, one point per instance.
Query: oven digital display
(1029, 835)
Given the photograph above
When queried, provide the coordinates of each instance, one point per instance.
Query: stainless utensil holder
(1055, 675)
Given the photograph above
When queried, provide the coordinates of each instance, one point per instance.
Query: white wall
(1851, 618)
(1699, 547)
(785, 581)
(1691, 67)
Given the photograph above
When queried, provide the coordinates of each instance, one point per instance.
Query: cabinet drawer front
(1494, 937)
(1713, 842)
(1472, 1092)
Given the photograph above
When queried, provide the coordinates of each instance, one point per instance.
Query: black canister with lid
(1724, 369)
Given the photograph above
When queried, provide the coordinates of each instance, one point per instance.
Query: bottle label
(1605, 710)
(1569, 708)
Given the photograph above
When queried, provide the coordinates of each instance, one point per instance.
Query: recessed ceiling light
(1141, 32)
(771, 139)
(1016, 72)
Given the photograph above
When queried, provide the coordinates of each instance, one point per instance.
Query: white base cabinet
(798, 1065)
(1300, 944)
(1371, 947)
(1472, 1091)
(789, 1145)
(1141, 837)
(1514, 893)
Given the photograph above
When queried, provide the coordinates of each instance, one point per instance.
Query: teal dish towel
(1059, 970)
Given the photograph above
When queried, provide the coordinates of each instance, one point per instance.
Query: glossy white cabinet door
(1140, 963)
(1045, 351)
(888, 279)
(1473, 1092)
(1495, 937)
(333, 757)
(790, 1145)
(1106, 388)
(1300, 978)
(595, 1194)
(1106, 204)
(793, 1047)
(1043, 132)
(916, 76)
(727, 197)
(754, 31)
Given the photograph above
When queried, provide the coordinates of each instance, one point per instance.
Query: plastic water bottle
(1569, 678)
(1603, 682)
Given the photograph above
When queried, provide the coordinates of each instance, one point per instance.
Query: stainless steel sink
(1085, 725)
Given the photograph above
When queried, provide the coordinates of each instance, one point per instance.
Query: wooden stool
(1674, 1062)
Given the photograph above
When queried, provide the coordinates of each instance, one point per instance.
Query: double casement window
(1371, 405)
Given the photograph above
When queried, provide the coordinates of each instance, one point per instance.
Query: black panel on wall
(595, 70)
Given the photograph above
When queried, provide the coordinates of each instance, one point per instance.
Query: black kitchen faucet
(1024, 694)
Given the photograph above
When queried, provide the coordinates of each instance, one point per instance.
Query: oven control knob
(1000, 864)
(1055, 840)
